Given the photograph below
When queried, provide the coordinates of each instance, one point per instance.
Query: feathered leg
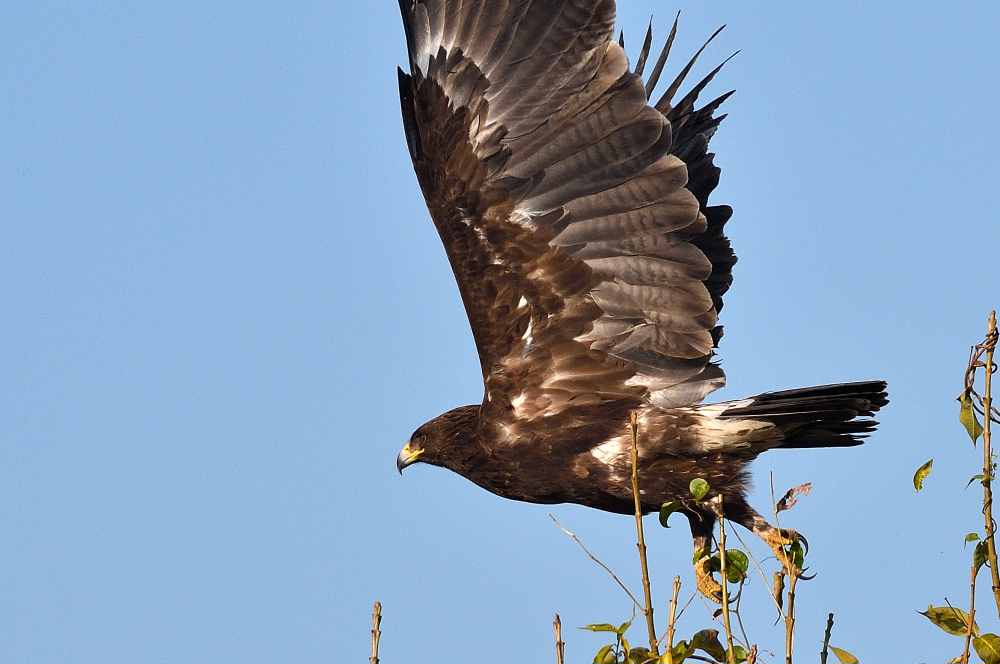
(702, 526)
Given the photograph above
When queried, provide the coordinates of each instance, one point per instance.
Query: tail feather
(821, 416)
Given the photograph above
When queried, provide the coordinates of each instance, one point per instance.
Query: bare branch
(560, 645)
(376, 631)
(597, 560)
(641, 539)
(825, 652)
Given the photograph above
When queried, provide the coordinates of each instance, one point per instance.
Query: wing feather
(574, 214)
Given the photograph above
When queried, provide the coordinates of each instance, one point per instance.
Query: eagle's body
(575, 215)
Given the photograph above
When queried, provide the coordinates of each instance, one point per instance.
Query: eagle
(574, 212)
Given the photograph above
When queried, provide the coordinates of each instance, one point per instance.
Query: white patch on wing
(522, 303)
(527, 333)
(609, 450)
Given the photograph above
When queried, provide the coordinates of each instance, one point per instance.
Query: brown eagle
(574, 211)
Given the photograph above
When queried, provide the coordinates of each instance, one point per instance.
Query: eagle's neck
(458, 441)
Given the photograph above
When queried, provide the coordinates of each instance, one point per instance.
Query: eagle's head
(443, 441)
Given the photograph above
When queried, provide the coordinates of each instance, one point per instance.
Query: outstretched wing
(573, 212)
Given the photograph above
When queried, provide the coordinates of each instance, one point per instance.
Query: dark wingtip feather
(644, 52)
(664, 103)
(654, 77)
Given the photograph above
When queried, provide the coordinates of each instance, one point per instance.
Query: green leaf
(601, 627)
(623, 627)
(921, 474)
(972, 479)
(796, 554)
(737, 564)
(972, 537)
(666, 509)
(708, 641)
(698, 488)
(680, 652)
(638, 655)
(602, 654)
(952, 620)
(968, 419)
(739, 653)
(979, 556)
(844, 656)
(988, 647)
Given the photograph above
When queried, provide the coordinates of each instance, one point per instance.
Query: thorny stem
(560, 645)
(730, 651)
(825, 652)
(991, 546)
(376, 631)
(640, 538)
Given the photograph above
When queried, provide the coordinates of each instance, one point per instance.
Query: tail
(821, 416)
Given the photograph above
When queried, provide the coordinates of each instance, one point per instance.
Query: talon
(777, 539)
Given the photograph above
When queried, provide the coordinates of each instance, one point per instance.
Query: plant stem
(560, 645)
(825, 652)
(376, 631)
(790, 616)
(972, 613)
(991, 546)
(640, 538)
(672, 618)
(730, 651)
(793, 577)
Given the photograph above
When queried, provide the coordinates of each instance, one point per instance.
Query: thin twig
(730, 651)
(793, 577)
(641, 539)
(672, 619)
(597, 560)
(376, 631)
(687, 604)
(739, 615)
(824, 653)
(989, 345)
(972, 613)
(560, 646)
(760, 570)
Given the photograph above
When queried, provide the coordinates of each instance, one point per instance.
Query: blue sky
(225, 309)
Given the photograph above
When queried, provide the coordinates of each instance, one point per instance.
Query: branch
(640, 538)
(793, 577)
(597, 560)
(672, 615)
(560, 646)
(824, 653)
(730, 651)
(376, 631)
(990, 345)
(972, 613)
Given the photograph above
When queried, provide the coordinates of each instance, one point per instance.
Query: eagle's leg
(775, 538)
(702, 526)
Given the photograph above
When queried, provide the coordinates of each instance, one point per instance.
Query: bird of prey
(574, 211)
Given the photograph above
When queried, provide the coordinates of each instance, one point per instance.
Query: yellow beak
(407, 456)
